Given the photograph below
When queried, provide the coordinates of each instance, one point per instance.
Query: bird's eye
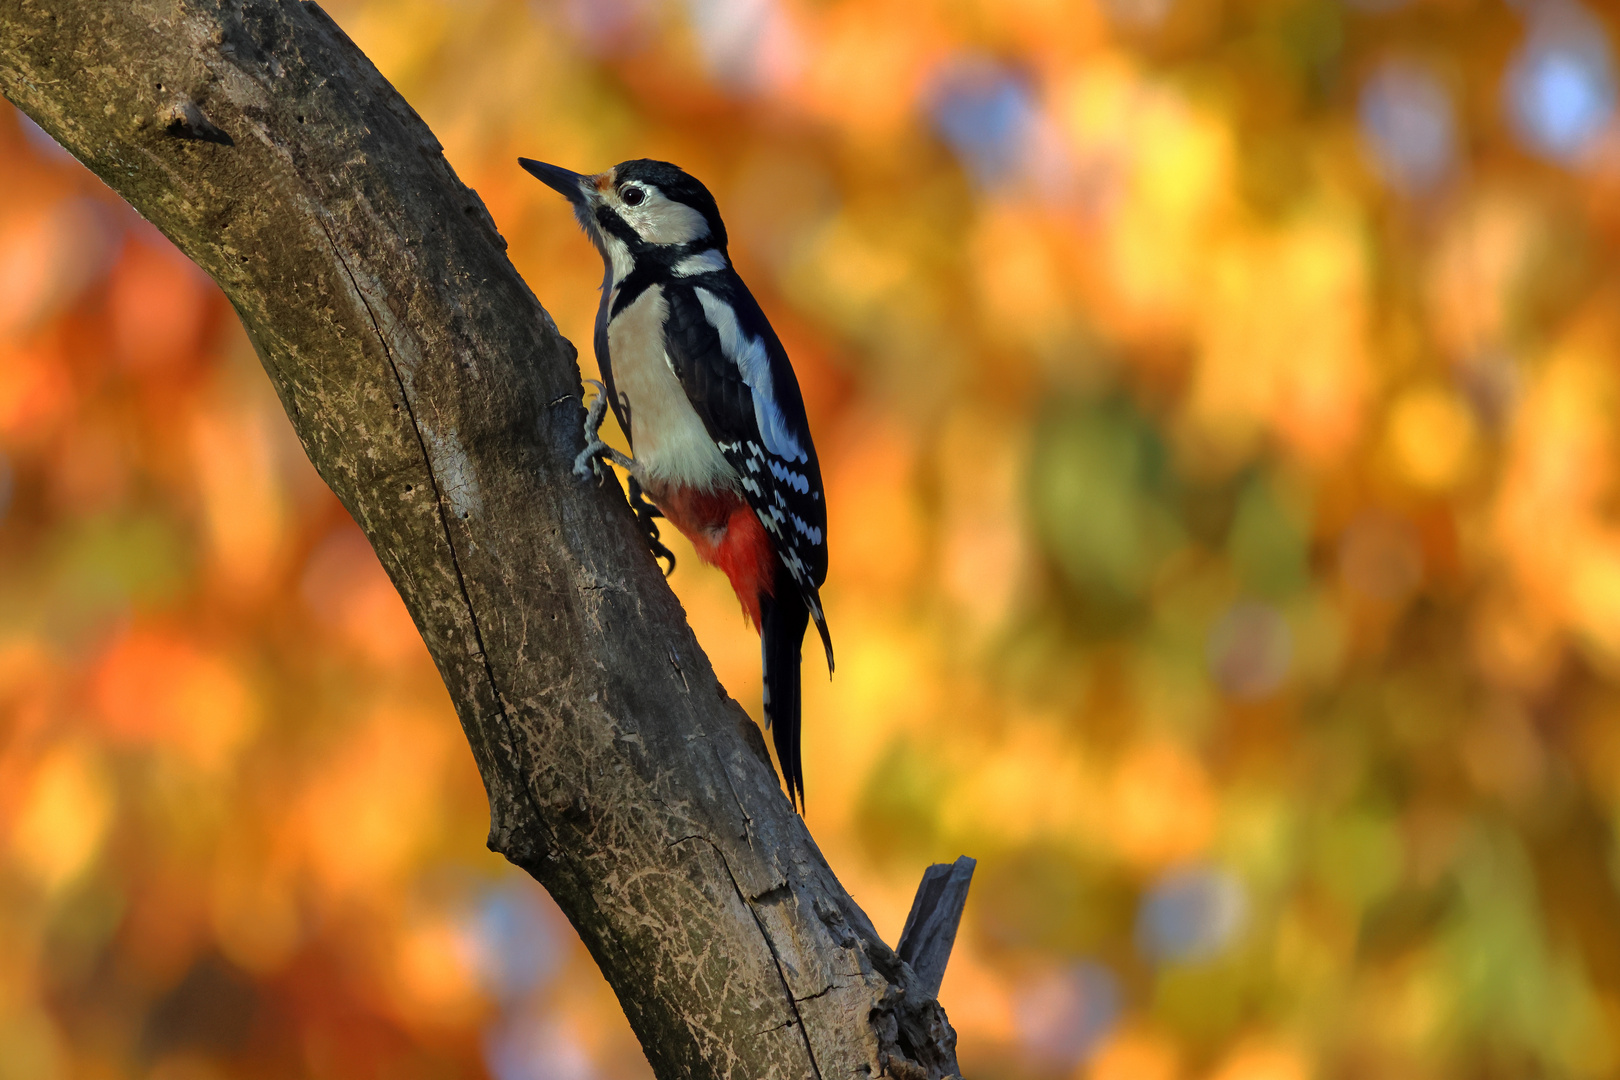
(632, 196)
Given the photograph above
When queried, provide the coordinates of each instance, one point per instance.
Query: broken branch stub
(936, 912)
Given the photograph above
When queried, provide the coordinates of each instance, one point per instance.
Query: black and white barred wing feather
(739, 380)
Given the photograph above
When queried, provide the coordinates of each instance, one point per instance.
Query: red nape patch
(725, 532)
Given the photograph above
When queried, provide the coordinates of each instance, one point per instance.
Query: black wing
(740, 382)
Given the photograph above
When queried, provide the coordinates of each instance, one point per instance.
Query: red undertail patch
(726, 533)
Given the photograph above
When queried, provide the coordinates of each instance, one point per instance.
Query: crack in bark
(438, 493)
(793, 1002)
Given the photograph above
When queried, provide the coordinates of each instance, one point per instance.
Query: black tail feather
(814, 601)
(783, 620)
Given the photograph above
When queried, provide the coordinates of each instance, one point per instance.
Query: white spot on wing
(810, 532)
(797, 481)
(754, 363)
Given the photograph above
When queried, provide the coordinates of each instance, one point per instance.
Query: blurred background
(1219, 408)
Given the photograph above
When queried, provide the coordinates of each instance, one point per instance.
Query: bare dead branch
(936, 912)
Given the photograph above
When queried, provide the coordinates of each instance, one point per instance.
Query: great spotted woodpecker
(705, 393)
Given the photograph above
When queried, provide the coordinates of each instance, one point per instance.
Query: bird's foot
(645, 513)
(589, 460)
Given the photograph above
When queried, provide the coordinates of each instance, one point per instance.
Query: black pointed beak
(569, 184)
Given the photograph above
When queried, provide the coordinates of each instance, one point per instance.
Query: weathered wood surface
(436, 398)
(936, 913)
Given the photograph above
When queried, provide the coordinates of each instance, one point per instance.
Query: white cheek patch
(749, 354)
(704, 262)
(659, 221)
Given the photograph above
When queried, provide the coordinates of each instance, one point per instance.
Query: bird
(707, 397)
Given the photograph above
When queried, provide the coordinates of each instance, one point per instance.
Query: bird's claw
(646, 511)
(590, 461)
(661, 553)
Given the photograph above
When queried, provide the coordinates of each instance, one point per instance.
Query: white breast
(669, 440)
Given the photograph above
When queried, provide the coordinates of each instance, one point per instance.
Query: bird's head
(638, 205)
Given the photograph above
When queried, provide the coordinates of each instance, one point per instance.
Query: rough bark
(437, 399)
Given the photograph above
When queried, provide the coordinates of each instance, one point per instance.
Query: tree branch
(437, 399)
(936, 912)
